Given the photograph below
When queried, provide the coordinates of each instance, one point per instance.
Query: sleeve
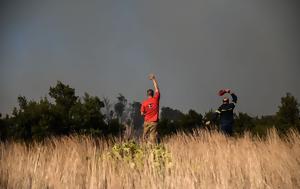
(218, 111)
(216, 114)
(234, 98)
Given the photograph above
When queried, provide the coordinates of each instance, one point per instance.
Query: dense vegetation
(66, 114)
(201, 160)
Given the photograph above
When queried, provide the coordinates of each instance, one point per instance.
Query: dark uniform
(226, 115)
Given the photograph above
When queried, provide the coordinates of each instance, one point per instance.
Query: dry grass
(207, 160)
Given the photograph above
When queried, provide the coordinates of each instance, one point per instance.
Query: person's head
(150, 93)
(225, 100)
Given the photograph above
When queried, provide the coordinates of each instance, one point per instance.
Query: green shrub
(135, 155)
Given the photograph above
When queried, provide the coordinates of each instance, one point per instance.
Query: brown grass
(206, 160)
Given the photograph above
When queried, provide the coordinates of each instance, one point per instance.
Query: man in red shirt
(150, 111)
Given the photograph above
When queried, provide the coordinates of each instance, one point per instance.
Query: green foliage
(161, 157)
(171, 114)
(3, 128)
(263, 124)
(135, 155)
(243, 122)
(114, 128)
(135, 114)
(210, 115)
(64, 95)
(136, 117)
(31, 121)
(67, 113)
(36, 120)
(288, 113)
(190, 121)
(86, 116)
(120, 106)
(129, 151)
(166, 127)
(174, 121)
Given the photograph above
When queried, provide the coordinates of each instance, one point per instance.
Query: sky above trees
(194, 47)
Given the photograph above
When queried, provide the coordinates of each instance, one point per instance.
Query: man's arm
(152, 77)
(214, 117)
(233, 96)
(142, 110)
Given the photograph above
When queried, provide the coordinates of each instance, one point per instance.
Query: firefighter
(225, 112)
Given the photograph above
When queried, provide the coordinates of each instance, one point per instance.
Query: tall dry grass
(205, 160)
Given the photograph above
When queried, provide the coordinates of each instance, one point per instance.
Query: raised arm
(152, 77)
(233, 96)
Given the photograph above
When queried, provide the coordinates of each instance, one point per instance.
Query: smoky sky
(195, 47)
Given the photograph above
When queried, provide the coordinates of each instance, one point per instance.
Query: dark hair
(150, 92)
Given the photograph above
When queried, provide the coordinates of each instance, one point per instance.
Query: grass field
(204, 160)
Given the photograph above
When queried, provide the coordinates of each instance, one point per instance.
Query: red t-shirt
(150, 108)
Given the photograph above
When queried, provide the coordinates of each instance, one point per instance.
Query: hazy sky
(195, 47)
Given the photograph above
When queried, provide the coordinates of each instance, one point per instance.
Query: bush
(135, 155)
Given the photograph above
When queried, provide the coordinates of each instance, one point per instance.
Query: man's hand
(207, 123)
(151, 76)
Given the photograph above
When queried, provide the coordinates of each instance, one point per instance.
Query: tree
(171, 114)
(3, 129)
(136, 117)
(108, 109)
(192, 120)
(64, 95)
(22, 102)
(35, 120)
(31, 120)
(120, 106)
(263, 124)
(288, 113)
(65, 99)
(86, 116)
(243, 122)
(174, 121)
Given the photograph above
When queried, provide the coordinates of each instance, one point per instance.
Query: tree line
(65, 113)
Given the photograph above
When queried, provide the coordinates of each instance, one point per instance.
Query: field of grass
(204, 160)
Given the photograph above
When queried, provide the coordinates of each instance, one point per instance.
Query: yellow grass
(206, 160)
